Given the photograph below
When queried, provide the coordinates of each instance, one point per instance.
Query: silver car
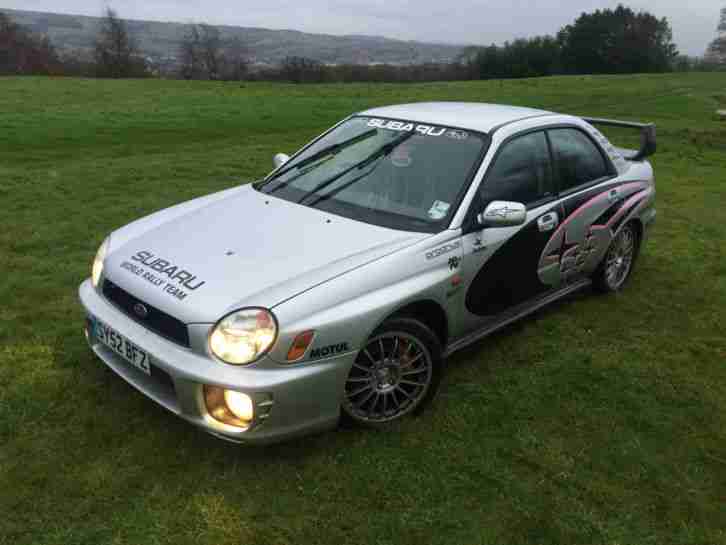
(337, 286)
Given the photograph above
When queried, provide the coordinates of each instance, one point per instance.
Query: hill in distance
(160, 40)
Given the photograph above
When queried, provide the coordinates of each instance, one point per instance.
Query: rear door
(587, 185)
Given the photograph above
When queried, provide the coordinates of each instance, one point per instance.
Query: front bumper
(296, 399)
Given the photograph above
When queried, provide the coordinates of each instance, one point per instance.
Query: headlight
(97, 267)
(243, 336)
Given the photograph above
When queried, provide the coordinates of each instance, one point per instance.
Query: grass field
(599, 420)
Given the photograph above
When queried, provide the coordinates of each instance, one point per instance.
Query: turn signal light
(300, 345)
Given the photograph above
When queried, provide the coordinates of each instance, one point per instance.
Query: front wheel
(619, 260)
(396, 373)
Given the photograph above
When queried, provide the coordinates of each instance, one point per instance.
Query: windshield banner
(403, 126)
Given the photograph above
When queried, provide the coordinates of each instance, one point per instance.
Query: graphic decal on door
(508, 275)
(582, 239)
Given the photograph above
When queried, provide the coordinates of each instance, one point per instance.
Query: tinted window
(521, 172)
(577, 159)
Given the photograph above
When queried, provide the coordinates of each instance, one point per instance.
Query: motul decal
(330, 350)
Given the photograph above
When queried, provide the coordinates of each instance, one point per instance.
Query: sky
(462, 22)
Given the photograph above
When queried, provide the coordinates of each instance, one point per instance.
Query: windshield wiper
(338, 189)
(384, 150)
(331, 149)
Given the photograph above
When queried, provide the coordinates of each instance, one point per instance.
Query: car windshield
(393, 173)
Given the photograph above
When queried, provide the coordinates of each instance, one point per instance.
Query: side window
(577, 159)
(521, 172)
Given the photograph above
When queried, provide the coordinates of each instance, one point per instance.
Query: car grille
(156, 320)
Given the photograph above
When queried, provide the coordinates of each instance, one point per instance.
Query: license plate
(122, 346)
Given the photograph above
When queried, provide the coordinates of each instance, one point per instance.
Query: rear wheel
(618, 263)
(396, 373)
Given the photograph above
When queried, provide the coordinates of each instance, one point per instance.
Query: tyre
(619, 260)
(396, 373)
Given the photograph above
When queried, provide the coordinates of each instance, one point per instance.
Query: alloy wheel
(389, 378)
(619, 258)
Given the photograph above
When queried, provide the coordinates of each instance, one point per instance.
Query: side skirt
(513, 317)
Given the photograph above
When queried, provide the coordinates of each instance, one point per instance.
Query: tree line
(115, 52)
(716, 52)
(606, 41)
(22, 52)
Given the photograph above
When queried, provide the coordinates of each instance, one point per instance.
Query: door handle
(548, 222)
(613, 195)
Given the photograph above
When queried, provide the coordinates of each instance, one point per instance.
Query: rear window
(577, 160)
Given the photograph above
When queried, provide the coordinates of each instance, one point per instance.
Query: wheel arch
(421, 319)
(638, 222)
(597, 276)
(428, 312)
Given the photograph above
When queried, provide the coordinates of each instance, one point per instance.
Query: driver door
(500, 264)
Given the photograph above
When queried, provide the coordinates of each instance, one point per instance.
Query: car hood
(247, 249)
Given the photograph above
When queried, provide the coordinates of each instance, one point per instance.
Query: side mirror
(280, 159)
(503, 214)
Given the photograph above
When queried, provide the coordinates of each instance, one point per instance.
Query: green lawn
(599, 420)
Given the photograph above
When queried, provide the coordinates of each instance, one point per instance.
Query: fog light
(240, 404)
(229, 407)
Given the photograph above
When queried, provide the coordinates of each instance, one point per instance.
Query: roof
(475, 116)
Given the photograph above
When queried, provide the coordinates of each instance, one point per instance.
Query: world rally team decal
(580, 242)
(178, 282)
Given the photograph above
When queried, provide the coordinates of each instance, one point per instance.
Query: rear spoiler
(647, 135)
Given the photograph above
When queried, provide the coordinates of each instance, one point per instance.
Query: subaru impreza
(337, 286)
